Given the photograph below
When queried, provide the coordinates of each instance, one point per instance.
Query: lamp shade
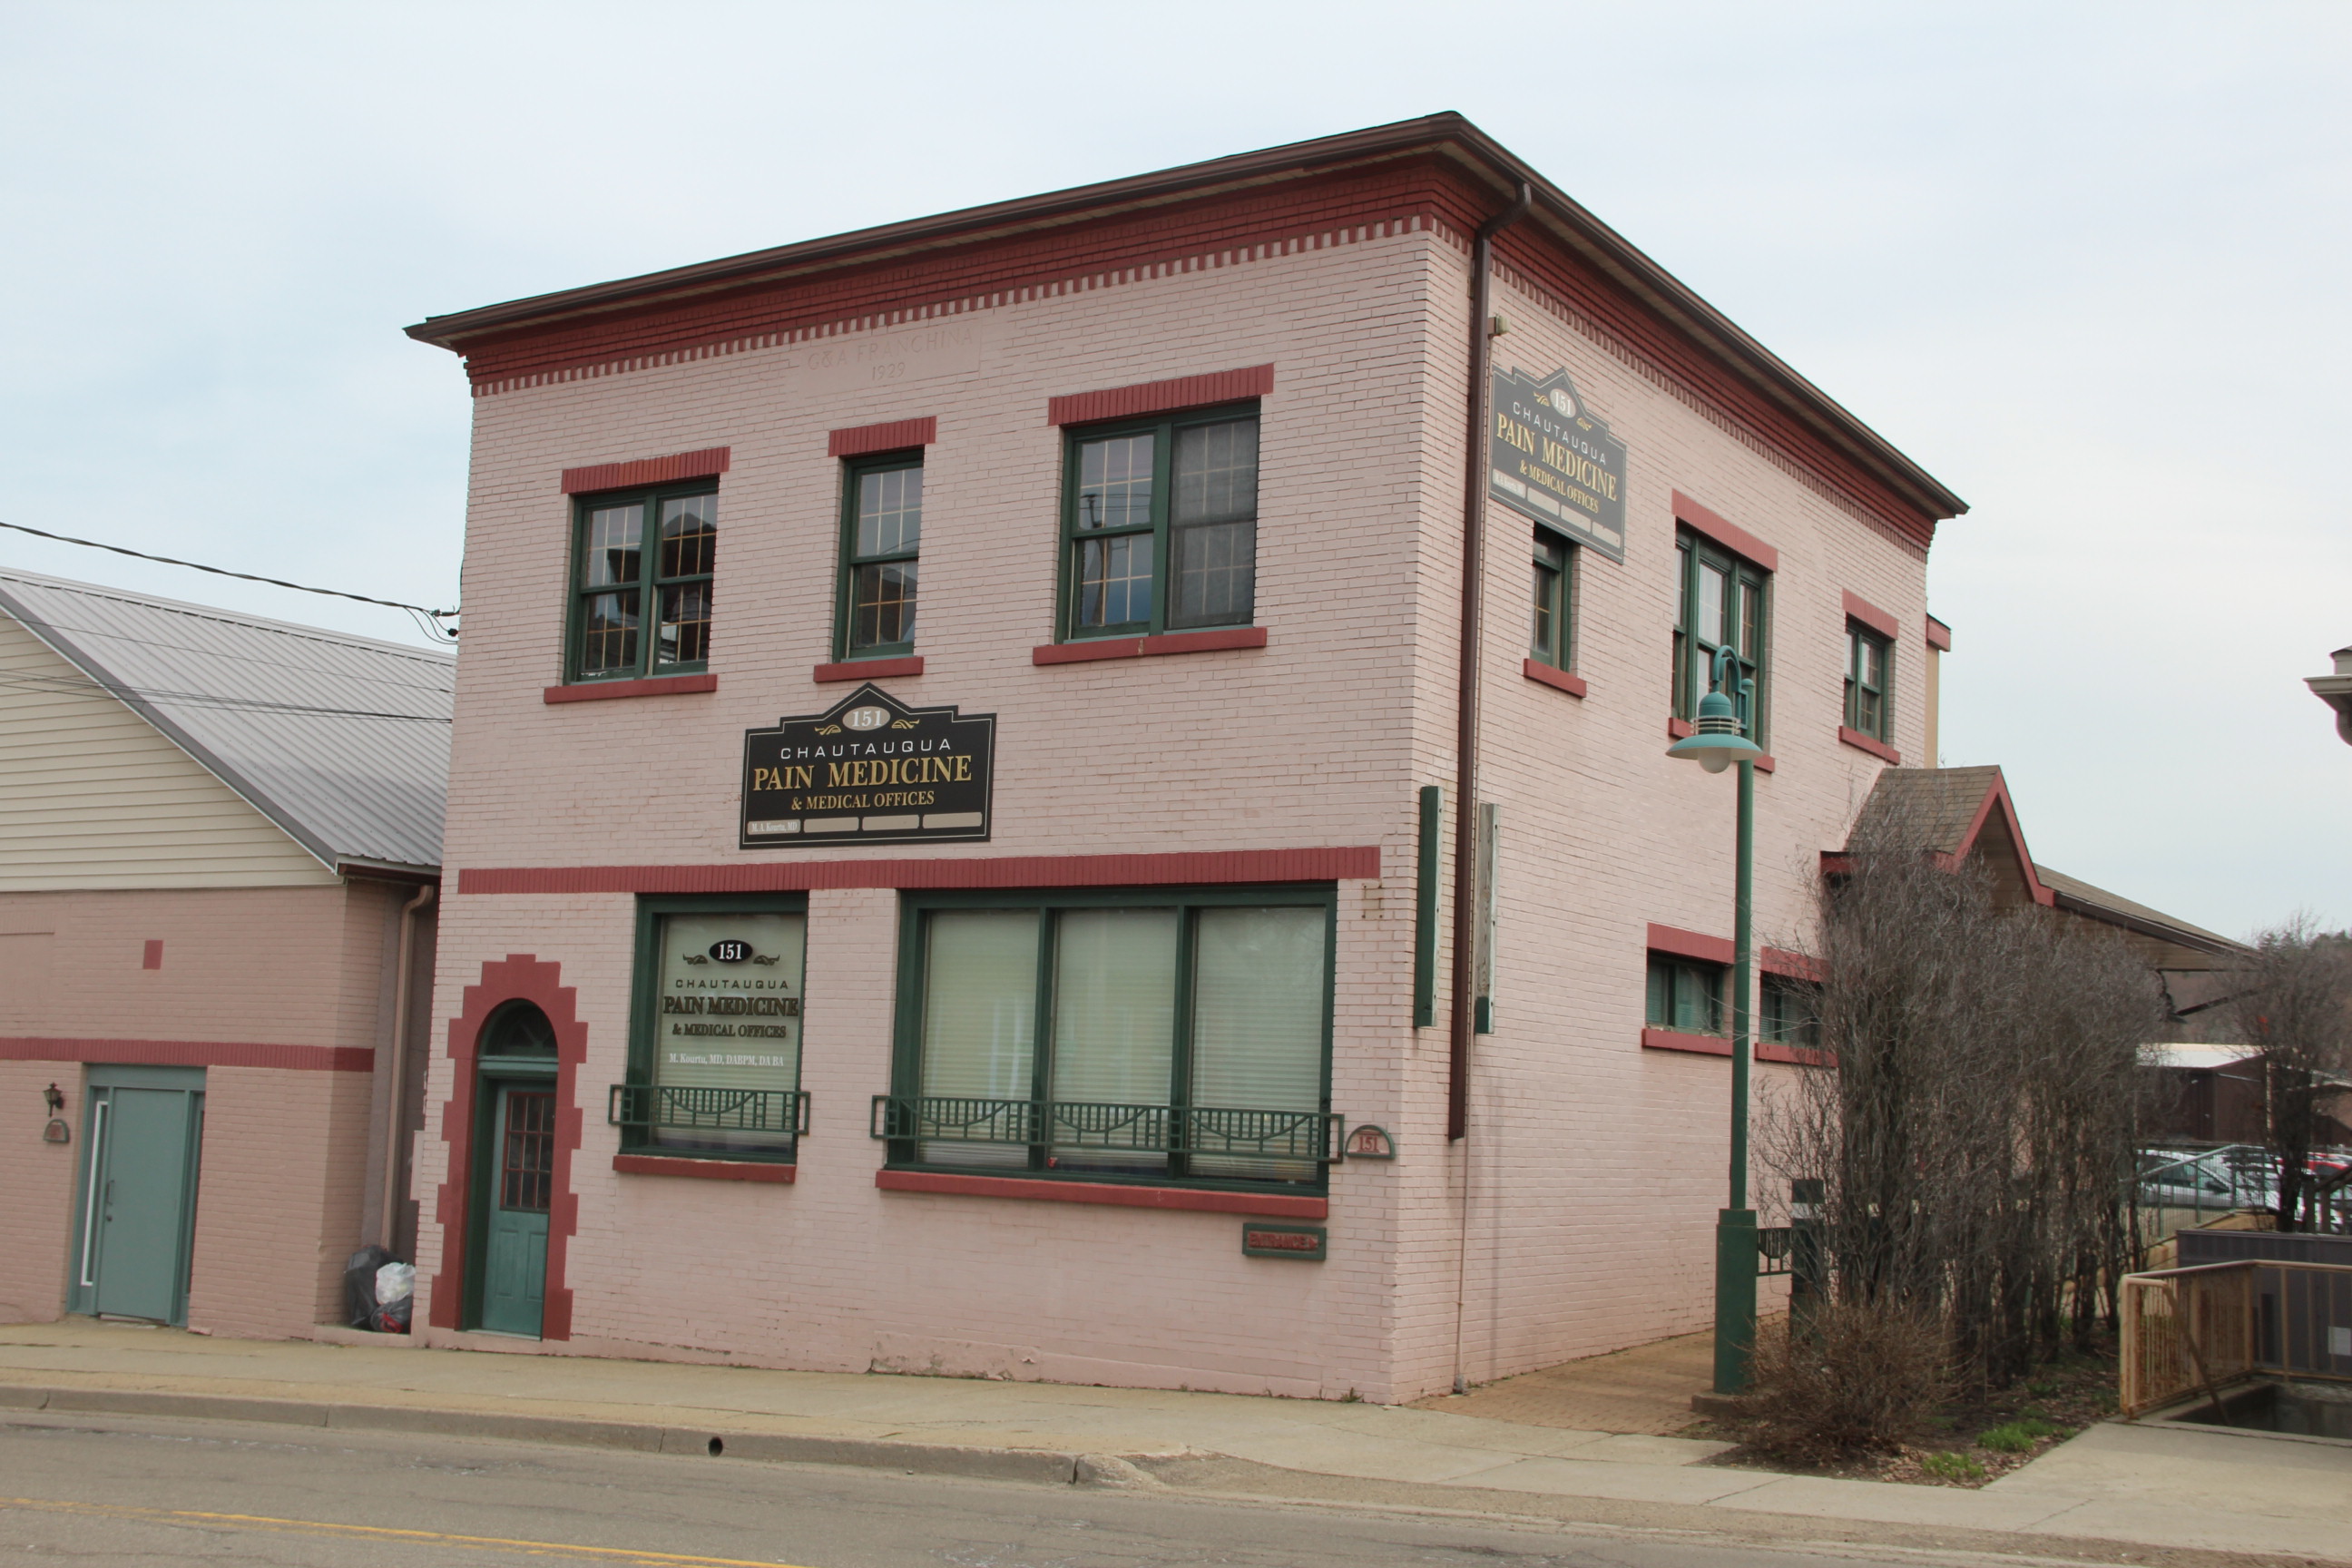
(1718, 742)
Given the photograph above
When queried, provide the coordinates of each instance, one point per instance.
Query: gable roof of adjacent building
(342, 742)
(1105, 234)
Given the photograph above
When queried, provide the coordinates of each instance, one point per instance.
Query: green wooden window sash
(1869, 683)
(1159, 524)
(643, 562)
(1725, 600)
(1685, 995)
(1123, 1005)
(881, 541)
(1551, 637)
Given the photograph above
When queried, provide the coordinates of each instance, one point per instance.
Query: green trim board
(621, 565)
(884, 491)
(1013, 1041)
(1157, 511)
(1424, 907)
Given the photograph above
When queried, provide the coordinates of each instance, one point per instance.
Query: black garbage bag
(359, 1286)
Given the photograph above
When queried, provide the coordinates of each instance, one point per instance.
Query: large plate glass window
(716, 1062)
(882, 538)
(1868, 681)
(1151, 1037)
(1159, 525)
(1724, 605)
(643, 564)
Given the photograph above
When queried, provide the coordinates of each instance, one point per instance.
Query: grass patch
(2017, 1436)
(1952, 1467)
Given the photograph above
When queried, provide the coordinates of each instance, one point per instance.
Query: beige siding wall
(91, 795)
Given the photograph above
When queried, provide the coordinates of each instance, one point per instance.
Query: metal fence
(646, 1108)
(1050, 1124)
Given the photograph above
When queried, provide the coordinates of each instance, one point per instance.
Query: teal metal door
(514, 1254)
(138, 1211)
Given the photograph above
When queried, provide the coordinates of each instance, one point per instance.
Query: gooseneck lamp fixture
(1719, 739)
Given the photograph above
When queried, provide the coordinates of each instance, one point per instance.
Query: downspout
(1466, 902)
(396, 1088)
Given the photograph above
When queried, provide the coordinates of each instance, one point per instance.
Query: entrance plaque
(1551, 458)
(868, 770)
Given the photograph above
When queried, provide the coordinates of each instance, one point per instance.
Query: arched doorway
(513, 1171)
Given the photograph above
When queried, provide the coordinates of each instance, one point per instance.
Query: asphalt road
(101, 1490)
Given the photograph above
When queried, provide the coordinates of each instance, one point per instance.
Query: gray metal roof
(343, 741)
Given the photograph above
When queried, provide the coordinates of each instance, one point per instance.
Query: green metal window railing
(1308, 1135)
(646, 1108)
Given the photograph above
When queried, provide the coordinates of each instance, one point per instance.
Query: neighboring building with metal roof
(220, 844)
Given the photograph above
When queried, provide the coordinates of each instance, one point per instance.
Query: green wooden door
(522, 1169)
(140, 1209)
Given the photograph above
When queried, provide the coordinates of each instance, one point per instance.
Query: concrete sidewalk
(2207, 1492)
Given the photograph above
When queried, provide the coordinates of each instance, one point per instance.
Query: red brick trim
(867, 670)
(1858, 609)
(1795, 965)
(1271, 1205)
(1680, 729)
(659, 686)
(707, 463)
(1688, 943)
(1720, 1046)
(1940, 635)
(893, 437)
(520, 976)
(1730, 535)
(1767, 764)
(1149, 647)
(1160, 396)
(1862, 743)
(1548, 675)
(708, 1169)
(152, 957)
(1331, 864)
(187, 1054)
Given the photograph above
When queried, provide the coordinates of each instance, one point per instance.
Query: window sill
(1277, 1206)
(1862, 743)
(1720, 1046)
(868, 668)
(1149, 647)
(1683, 730)
(659, 686)
(1543, 674)
(708, 1169)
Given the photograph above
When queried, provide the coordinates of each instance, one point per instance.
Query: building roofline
(1448, 135)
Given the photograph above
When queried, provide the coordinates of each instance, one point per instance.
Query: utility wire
(433, 621)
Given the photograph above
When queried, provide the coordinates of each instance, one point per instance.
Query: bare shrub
(1852, 1379)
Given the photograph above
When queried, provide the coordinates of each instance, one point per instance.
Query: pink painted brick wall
(38, 1179)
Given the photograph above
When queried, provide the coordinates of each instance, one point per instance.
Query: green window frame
(1551, 637)
(1688, 995)
(1869, 682)
(1159, 524)
(1789, 1013)
(1726, 600)
(1159, 1036)
(636, 612)
(761, 1115)
(881, 546)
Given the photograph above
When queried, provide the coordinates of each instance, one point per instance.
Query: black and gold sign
(1551, 459)
(869, 770)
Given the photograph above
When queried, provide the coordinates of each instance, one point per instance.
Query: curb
(1031, 1465)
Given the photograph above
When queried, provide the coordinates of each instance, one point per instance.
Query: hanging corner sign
(868, 770)
(1551, 458)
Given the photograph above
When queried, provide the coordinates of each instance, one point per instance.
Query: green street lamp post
(1719, 740)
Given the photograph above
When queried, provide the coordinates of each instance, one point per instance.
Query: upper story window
(881, 539)
(1868, 683)
(641, 582)
(1159, 525)
(1552, 639)
(1790, 1009)
(1722, 606)
(1686, 994)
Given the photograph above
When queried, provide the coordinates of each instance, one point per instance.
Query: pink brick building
(957, 810)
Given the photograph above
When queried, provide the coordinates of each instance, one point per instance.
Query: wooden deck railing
(2187, 1330)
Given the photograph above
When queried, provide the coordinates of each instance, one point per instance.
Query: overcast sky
(2086, 264)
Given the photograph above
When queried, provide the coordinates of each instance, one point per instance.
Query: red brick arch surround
(521, 978)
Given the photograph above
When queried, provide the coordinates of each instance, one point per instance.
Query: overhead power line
(431, 620)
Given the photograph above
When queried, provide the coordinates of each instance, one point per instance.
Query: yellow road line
(379, 1533)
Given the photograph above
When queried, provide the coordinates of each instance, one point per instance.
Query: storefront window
(717, 1065)
(1153, 1037)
